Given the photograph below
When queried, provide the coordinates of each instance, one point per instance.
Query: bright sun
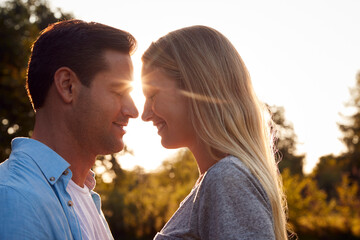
(141, 137)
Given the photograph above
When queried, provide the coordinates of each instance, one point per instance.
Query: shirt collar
(90, 181)
(50, 163)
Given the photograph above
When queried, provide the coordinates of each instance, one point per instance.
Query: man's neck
(80, 160)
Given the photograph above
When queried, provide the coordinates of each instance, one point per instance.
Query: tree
(348, 206)
(351, 134)
(286, 141)
(328, 173)
(331, 169)
(306, 204)
(20, 24)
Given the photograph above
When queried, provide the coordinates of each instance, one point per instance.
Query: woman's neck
(205, 158)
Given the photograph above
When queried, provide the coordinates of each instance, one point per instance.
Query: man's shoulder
(20, 193)
(30, 207)
(22, 179)
(18, 170)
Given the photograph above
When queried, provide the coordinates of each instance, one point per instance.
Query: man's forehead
(120, 61)
(125, 75)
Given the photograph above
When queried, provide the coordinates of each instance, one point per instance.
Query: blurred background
(304, 59)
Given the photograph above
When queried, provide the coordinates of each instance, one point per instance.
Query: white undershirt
(91, 224)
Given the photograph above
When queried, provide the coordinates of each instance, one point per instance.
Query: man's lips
(160, 125)
(121, 125)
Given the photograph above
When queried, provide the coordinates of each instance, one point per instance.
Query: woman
(199, 95)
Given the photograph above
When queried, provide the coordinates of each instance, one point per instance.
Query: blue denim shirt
(34, 203)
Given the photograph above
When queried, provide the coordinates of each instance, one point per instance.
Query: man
(78, 82)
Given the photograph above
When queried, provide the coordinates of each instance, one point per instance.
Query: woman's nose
(147, 113)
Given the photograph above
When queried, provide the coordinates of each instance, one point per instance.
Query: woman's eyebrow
(148, 88)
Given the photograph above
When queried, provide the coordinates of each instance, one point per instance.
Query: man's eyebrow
(121, 82)
(122, 85)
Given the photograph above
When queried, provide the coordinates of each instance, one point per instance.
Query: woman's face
(167, 108)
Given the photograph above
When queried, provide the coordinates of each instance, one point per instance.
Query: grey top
(228, 203)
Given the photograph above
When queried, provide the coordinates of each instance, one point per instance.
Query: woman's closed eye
(152, 97)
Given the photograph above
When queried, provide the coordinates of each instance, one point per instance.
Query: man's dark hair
(77, 45)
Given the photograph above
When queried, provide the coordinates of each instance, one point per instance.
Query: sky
(302, 55)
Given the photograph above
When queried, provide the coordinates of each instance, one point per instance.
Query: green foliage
(328, 173)
(348, 207)
(315, 217)
(20, 24)
(308, 208)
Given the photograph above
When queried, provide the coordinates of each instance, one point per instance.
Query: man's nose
(130, 109)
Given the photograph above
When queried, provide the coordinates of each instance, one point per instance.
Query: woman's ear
(65, 81)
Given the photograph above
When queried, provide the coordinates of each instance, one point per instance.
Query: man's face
(103, 109)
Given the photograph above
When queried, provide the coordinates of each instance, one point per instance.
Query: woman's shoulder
(228, 168)
(231, 176)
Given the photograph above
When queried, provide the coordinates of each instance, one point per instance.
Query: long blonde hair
(224, 109)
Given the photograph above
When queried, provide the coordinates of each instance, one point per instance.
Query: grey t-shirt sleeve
(233, 205)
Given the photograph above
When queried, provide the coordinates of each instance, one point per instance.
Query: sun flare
(141, 137)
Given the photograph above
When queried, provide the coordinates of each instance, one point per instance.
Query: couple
(198, 94)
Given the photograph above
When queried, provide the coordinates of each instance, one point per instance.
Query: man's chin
(119, 147)
(114, 148)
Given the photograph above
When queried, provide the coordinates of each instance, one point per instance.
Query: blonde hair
(224, 109)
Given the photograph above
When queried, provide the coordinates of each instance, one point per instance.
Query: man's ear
(65, 81)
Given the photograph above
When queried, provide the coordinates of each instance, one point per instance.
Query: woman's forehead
(155, 77)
